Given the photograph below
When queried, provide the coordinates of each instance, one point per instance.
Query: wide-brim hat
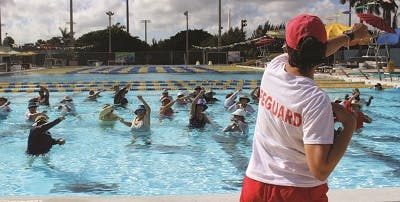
(239, 112)
(180, 94)
(210, 93)
(40, 120)
(197, 88)
(67, 99)
(32, 104)
(140, 108)
(3, 98)
(244, 97)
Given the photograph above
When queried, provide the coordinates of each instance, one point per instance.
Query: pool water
(98, 160)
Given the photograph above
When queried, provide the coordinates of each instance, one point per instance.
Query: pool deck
(347, 195)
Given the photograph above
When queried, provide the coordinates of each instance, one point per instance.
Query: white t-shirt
(292, 112)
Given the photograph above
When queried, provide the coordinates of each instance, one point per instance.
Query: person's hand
(342, 115)
(61, 141)
(61, 118)
(7, 103)
(121, 119)
(44, 112)
(360, 30)
(140, 97)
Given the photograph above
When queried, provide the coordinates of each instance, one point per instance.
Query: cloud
(30, 20)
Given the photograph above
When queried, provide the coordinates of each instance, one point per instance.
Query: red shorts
(256, 191)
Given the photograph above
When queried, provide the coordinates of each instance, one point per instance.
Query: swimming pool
(100, 160)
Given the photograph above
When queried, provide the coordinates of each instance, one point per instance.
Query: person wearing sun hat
(182, 99)
(32, 112)
(243, 104)
(67, 106)
(40, 140)
(166, 107)
(197, 117)
(141, 123)
(209, 97)
(294, 149)
(4, 107)
(238, 124)
(164, 94)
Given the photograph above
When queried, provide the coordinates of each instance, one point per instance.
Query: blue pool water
(100, 160)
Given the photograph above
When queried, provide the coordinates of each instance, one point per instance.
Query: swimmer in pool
(32, 112)
(238, 124)
(120, 99)
(141, 123)
(93, 95)
(4, 107)
(40, 140)
(107, 113)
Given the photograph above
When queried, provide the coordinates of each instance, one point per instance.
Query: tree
(120, 39)
(178, 41)
(8, 41)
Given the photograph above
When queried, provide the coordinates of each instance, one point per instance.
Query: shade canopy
(336, 29)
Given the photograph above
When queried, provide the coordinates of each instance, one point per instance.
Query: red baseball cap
(302, 26)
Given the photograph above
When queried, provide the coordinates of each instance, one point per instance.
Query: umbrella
(376, 22)
(337, 29)
(389, 38)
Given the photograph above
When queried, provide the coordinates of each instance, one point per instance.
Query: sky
(26, 21)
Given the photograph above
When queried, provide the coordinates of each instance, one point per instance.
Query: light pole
(187, 37)
(0, 24)
(71, 23)
(127, 16)
(109, 13)
(219, 25)
(145, 28)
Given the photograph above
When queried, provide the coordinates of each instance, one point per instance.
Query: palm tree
(388, 8)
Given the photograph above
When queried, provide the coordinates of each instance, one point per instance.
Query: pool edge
(351, 195)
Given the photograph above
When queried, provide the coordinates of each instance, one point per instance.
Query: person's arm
(46, 95)
(360, 31)
(244, 127)
(228, 128)
(169, 105)
(228, 101)
(367, 119)
(147, 107)
(232, 107)
(49, 125)
(368, 103)
(194, 102)
(323, 158)
(129, 124)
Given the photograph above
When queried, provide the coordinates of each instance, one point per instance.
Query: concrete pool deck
(346, 195)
